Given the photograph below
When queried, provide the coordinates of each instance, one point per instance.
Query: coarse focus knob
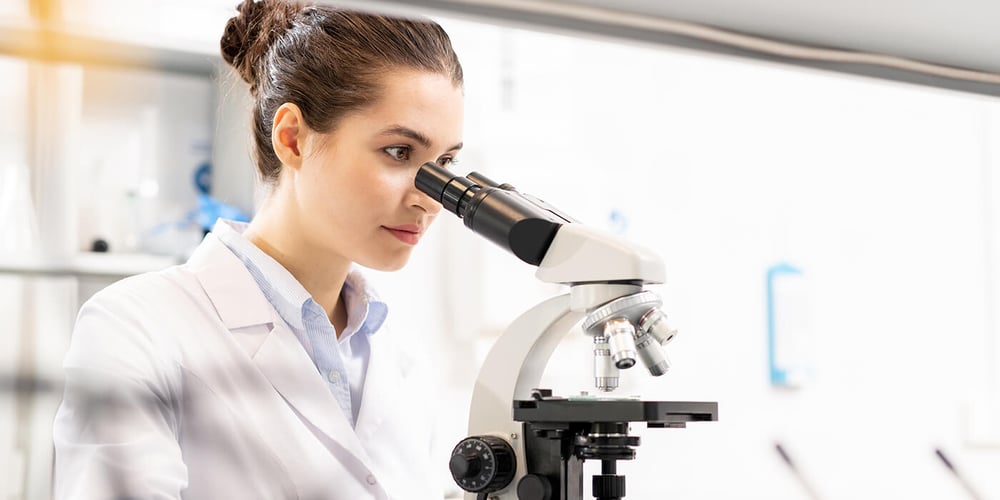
(482, 464)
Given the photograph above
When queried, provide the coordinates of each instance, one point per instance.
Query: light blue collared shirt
(341, 362)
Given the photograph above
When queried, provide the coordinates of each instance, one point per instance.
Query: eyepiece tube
(482, 180)
(432, 179)
(450, 190)
(502, 216)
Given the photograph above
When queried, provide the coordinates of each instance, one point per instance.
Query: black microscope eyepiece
(500, 214)
(451, 190)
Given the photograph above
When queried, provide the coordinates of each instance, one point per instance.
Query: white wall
(144, 136)
(877, 192)
(881, 194)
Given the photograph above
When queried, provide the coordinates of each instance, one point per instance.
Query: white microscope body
(525, 444)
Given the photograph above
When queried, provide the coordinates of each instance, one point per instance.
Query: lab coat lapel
(383, 382)
(229, 285)
(277, 354)
(285, 364)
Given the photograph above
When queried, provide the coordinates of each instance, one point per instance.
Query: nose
(427, 204)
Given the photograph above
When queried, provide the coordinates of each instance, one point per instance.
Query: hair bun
(249, 34)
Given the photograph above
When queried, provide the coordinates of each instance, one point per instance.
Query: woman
(261, 368)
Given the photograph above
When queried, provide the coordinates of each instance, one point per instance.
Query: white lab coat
(186, 383)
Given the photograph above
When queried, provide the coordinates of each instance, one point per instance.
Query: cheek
(319, 179)
(390, 186)
(336, 178)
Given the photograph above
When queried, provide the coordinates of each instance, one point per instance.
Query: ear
(288, 133)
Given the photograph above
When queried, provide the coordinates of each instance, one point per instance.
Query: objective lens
(652, 355)
(605, 372)
(621, 339)
(654, 322)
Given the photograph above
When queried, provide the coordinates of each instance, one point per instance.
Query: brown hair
(325, 60)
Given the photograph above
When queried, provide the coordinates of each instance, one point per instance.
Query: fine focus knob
(534, 487)
(608, 486)
(482, 464)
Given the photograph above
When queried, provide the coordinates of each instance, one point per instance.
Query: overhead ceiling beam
(525, 14)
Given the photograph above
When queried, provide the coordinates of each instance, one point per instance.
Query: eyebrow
(416, 136)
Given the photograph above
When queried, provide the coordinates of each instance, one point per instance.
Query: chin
(387, 263)
(390, 267)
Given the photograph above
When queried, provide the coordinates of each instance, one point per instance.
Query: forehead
(427, 102)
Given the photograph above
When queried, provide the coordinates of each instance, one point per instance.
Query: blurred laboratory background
(832, 240)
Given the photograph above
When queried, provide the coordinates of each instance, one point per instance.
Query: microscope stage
(654, 413)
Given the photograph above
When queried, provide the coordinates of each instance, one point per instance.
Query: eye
(447, 161)
(398, 153)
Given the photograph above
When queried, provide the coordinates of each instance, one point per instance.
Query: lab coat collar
(229, 286)
(282, 359)
(366, 311)
(280, 288)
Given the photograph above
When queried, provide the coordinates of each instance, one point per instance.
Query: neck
(321, 273)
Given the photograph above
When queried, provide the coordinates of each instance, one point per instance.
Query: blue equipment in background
(210, 209)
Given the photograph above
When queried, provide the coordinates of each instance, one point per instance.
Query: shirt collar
(366, 312)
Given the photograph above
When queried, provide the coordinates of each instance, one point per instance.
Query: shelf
(89, 264)
(72, 47)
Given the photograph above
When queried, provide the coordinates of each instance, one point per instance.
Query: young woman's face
(356, 186)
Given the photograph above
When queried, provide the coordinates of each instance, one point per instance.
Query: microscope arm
(515, 364)
(512, 368)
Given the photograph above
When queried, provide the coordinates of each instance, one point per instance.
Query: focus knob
(465, 467)
(608, 486)
(482, 464)
(534, 487)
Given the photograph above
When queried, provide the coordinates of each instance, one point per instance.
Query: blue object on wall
(779, 374)
(618, 222)
(210, 209)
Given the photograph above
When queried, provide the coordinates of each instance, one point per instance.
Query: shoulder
(139, 317)
(147, 294)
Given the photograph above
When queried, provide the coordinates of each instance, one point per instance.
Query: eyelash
(450, 160)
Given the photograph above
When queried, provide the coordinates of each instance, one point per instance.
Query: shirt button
(371, 479)
(334, 376)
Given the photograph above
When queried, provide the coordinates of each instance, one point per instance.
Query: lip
(409, 228)
(408, 233)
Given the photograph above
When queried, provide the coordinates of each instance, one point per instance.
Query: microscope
(526, 443)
